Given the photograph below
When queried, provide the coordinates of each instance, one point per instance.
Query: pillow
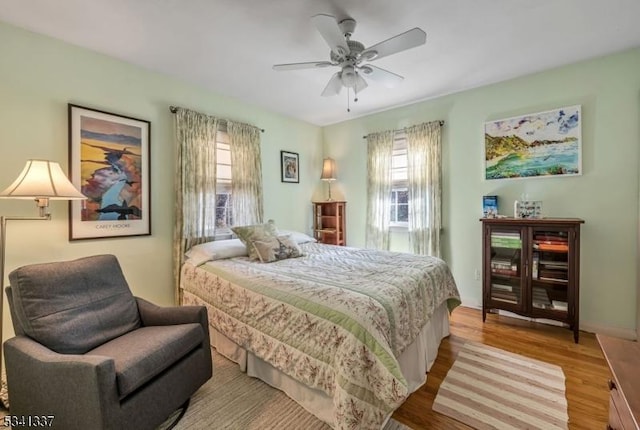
(72, 307)
(276, 248)
(296, 236)
(249, 233)
(216, 250)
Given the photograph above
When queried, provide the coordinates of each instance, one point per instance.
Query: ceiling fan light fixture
(348, 76)
(366, 70)
(369, 55)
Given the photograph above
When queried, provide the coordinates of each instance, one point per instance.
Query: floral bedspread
(334, 319)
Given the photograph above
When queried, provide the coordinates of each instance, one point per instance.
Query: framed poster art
(289, 167)
(544, 144)
(109, 164)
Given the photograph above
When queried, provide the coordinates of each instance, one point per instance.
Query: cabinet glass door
(550, 271)
(505, 268)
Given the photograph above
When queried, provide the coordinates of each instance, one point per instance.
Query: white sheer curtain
(195, 185)
(379, 157)
(424, 173)
(246, 173)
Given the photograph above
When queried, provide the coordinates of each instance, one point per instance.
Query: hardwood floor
(583, 364)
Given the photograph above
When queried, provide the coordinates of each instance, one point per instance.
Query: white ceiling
(229, 46)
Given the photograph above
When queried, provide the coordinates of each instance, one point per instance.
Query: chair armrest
(153, 315)
(79, 390)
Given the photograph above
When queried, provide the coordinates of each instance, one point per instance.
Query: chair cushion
(142, 354)
(73, 306)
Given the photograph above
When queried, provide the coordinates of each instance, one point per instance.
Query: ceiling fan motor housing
(355, 49)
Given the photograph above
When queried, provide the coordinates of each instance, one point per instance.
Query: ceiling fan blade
(328, 28)
(297, 66)
(334, 86)
(401, 42)
(385, 77)
(360, 83)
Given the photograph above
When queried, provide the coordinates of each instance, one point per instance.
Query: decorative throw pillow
(249, 233)
(296, 236)
(276, 248)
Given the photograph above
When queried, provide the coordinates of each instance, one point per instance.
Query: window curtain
(246, 173)
(195, 207)
(379, 158)
(424, 171)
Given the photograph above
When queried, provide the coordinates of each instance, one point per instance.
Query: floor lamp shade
(42, 179)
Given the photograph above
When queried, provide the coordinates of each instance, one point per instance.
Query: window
(224, 214)
(399, 190)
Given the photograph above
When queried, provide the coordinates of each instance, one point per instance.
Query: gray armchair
(93, 356)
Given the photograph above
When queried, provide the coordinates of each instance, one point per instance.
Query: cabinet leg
(576, 334)
(484, 314)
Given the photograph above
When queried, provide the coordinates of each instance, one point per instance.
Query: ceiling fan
(350, 55)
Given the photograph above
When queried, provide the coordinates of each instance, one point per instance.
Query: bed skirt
(415, 362)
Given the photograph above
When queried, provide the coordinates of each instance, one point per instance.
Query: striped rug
(231, 400)
(488, 388)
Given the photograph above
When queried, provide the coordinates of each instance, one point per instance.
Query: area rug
(233, 400)
(488, 388)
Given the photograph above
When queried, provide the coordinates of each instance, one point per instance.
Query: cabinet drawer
(614, 418)
(619, 412)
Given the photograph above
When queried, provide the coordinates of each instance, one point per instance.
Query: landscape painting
(544, 144)
(109, 164)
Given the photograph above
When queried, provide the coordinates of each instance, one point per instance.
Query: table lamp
(329, 173)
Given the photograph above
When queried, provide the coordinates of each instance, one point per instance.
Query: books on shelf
(506, 264)
(534, 265)
(551, 240)
(550, 247)
(540, 298)
(559, 305)
(505, 293)
(502, 287)
(506, 240)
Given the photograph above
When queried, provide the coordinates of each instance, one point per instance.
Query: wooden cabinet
(329, 222)
(532, 267)
(623, 358)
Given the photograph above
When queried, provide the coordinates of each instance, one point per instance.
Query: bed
(347, 333)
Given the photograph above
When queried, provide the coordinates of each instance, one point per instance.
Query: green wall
(605, 196)
(40, 75)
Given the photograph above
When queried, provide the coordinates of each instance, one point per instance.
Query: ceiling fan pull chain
(348, 108)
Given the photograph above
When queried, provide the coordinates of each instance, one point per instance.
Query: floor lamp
(40, 180)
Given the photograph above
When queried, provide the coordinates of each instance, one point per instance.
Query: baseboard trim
(624, 333)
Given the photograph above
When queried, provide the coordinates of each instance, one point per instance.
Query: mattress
(337, 320)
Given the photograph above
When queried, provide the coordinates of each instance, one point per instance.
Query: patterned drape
(195, 184)
(425, 189)
(246, 173)
(379, 158)
(195, 179)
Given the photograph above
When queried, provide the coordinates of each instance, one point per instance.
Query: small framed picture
(289, 166)
(109, 162)
(528, 209)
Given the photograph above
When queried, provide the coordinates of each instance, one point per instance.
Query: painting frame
(289, 167)
(109, 162)
(537, 145)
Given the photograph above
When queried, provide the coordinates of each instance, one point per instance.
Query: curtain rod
(174, 109)
(404, 129)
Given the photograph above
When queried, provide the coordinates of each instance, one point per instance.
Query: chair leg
(170, 424)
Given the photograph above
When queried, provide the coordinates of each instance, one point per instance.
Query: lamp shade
(42, 179)
(328, 170)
